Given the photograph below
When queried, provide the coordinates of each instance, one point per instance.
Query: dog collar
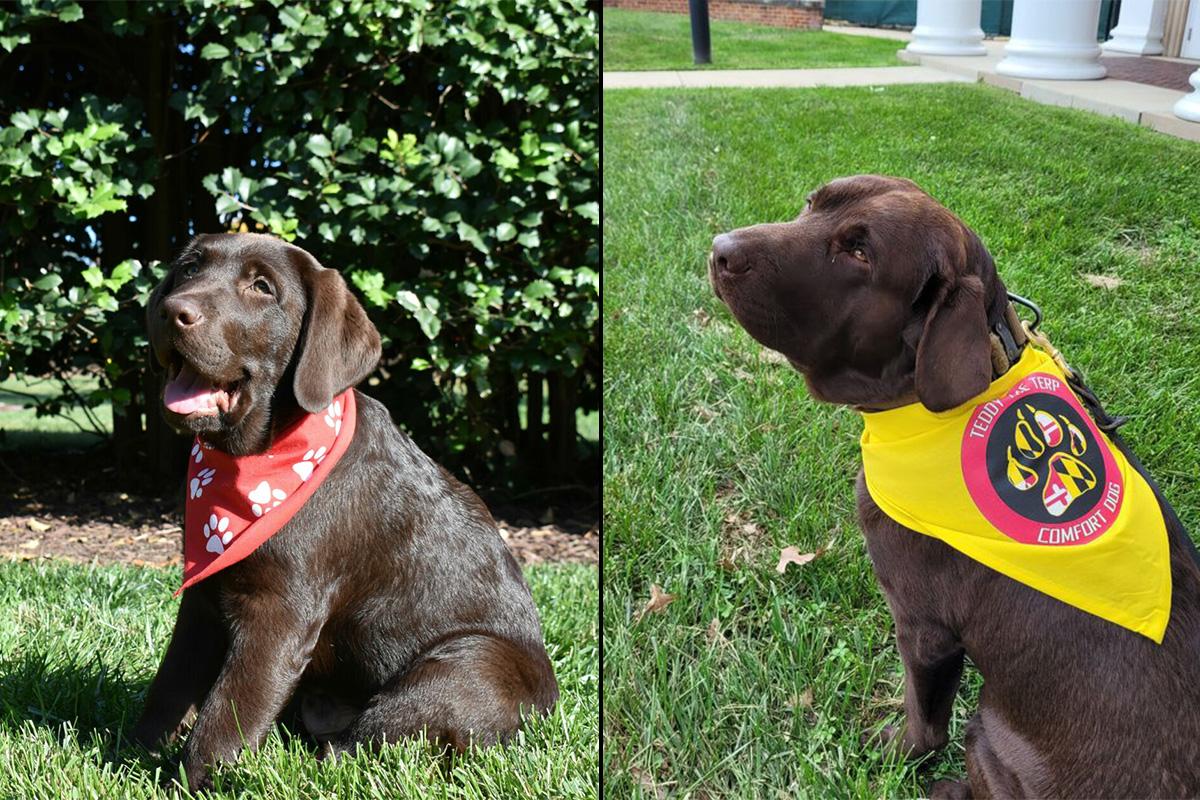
(1022, 480)
(235, 503)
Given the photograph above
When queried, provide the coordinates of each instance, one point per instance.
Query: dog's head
(248, 328)
(876, 292)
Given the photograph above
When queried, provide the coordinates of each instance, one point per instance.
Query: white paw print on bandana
(197, 453)
(333, 416)
(203, 478)
(264, 498)
(216, 534)
(304, 468)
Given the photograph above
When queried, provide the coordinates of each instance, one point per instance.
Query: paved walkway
(1139, 103)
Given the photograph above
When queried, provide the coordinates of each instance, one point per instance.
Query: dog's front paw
(195, 771)
(950, 790)
(199, 778)
(903, 740)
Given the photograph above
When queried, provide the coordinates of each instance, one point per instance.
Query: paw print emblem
(263, 498)
(197, 452)
(217, 534)
(333, 416)
(1067, 477)
(304, 467)
(203, 478)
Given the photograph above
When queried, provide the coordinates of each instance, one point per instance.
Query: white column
(1188, 106)
(948, 28)
(1053, 39)
(1140, 28)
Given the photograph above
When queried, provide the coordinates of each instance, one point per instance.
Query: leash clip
(1104, 421)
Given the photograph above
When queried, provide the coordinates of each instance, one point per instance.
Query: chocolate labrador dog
(881, 298)
(388, 605)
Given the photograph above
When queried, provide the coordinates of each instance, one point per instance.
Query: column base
(1188, 106)
(1138, 45)
(941, 42)
(1056, 63)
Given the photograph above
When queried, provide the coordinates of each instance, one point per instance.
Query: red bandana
(235, 503)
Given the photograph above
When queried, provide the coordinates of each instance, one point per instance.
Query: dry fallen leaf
(791, 555)
(647, 782)
(802, 700)
(704, 414)
(772, 357)
(657, 602)
(36, 526)
(1109, 282)
(702, 317)
(714, 634)
(30, 545)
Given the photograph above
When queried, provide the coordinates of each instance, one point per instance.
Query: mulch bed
(69, 517)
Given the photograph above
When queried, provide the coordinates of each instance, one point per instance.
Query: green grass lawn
(755, 684)
(636, 40)
(79, 645)
(22, 429)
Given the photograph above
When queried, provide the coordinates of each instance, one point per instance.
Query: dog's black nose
(726, 255)
(182, 311)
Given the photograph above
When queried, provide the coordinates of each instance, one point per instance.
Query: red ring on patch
(1080, 526)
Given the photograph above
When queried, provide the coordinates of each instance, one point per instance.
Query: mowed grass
(22, 429)
(642, 40)
(79, 645)
(756, 684)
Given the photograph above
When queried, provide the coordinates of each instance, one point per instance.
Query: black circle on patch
(1029, 503)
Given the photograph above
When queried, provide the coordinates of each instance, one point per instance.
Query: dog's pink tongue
(190, 393)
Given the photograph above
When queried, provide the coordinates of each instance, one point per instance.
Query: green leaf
(227, 204)
(506, 231)
(538, 289)
(250, 42)
(291, 16)
(319, 145)
(589, 211)
(468, 233)
(341, 136)
(431, 326)
(214, 51)
(25, 122)
(48, 282)
(71, 13)
(93, 277)
(505, 158)
(408, 300)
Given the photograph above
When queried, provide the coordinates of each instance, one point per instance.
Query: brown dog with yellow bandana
(1004, 522)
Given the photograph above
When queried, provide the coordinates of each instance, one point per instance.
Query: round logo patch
(1037, 467)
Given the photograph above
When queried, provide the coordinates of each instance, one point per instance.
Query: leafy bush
(443, 155)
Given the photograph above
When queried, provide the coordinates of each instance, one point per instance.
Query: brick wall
(806, 14)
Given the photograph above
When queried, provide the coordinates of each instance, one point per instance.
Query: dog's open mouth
(188, 393)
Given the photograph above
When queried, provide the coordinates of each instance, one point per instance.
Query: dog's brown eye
(261, 285)
(859, 253)
(190, 270)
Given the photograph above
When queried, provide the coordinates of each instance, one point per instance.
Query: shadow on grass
(83, 699)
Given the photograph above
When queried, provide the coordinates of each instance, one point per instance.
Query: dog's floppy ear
(338, 345)
(954, 361)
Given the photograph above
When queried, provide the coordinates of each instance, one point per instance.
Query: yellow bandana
(1021, 480)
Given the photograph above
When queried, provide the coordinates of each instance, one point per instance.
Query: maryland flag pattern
(1066, 477)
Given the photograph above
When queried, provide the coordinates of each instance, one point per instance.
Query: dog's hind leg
(988, 775)
(470, 689)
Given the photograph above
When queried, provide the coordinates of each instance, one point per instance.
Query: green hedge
(443, 155)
